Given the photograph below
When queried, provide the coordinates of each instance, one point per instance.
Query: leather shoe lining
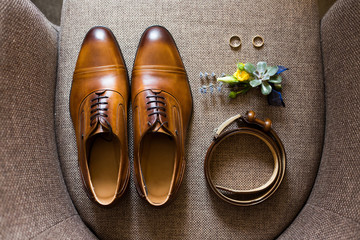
(104, 160)
(157, 165)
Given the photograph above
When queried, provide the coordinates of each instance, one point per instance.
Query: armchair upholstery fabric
(202, 30)
(333, 209)
(37, 197)
(34, 202)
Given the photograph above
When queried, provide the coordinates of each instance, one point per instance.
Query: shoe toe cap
(157, 47)
(99, 48)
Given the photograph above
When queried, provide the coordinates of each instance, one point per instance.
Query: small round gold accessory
(258, 41)
(235, 42)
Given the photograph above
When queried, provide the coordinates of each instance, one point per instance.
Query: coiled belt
(262, 130)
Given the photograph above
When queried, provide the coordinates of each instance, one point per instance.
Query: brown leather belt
(262, 130)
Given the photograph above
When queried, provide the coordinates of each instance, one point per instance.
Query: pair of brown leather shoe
(161, 108)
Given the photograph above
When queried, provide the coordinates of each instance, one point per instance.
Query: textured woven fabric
(316, 223)
(249, 171)
(33, 196)
(71, 228)
(202, 30)
(337, 192)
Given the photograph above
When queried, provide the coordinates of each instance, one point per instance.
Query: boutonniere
(265, 77)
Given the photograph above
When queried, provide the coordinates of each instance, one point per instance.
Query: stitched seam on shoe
(159, 68)
(163, 67)
(98, 69)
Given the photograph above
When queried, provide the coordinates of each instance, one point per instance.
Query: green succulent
(263, 75)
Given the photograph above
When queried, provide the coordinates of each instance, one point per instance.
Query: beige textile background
(52, 8)
(201, 30)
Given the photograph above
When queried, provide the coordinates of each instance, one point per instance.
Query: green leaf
(249, 68)
(228, 79)
(278, 87)
(266, 77)
(245, 90)
(266, 88)
(277, 80)
(261, 67)
(255, 83)
(240, 66)
(232, 95)
(271, 71)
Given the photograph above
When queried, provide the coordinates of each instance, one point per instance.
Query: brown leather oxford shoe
(162, 107)
(98, 107)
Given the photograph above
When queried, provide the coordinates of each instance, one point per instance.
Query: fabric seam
(54, 225)
(43, 16)
(338, 214)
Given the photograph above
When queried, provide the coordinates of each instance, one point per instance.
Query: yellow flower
(241, 75)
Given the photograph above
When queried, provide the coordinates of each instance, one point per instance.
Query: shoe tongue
(100, 128)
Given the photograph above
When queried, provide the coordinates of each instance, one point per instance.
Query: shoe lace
(97, 111)
(158, 109)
